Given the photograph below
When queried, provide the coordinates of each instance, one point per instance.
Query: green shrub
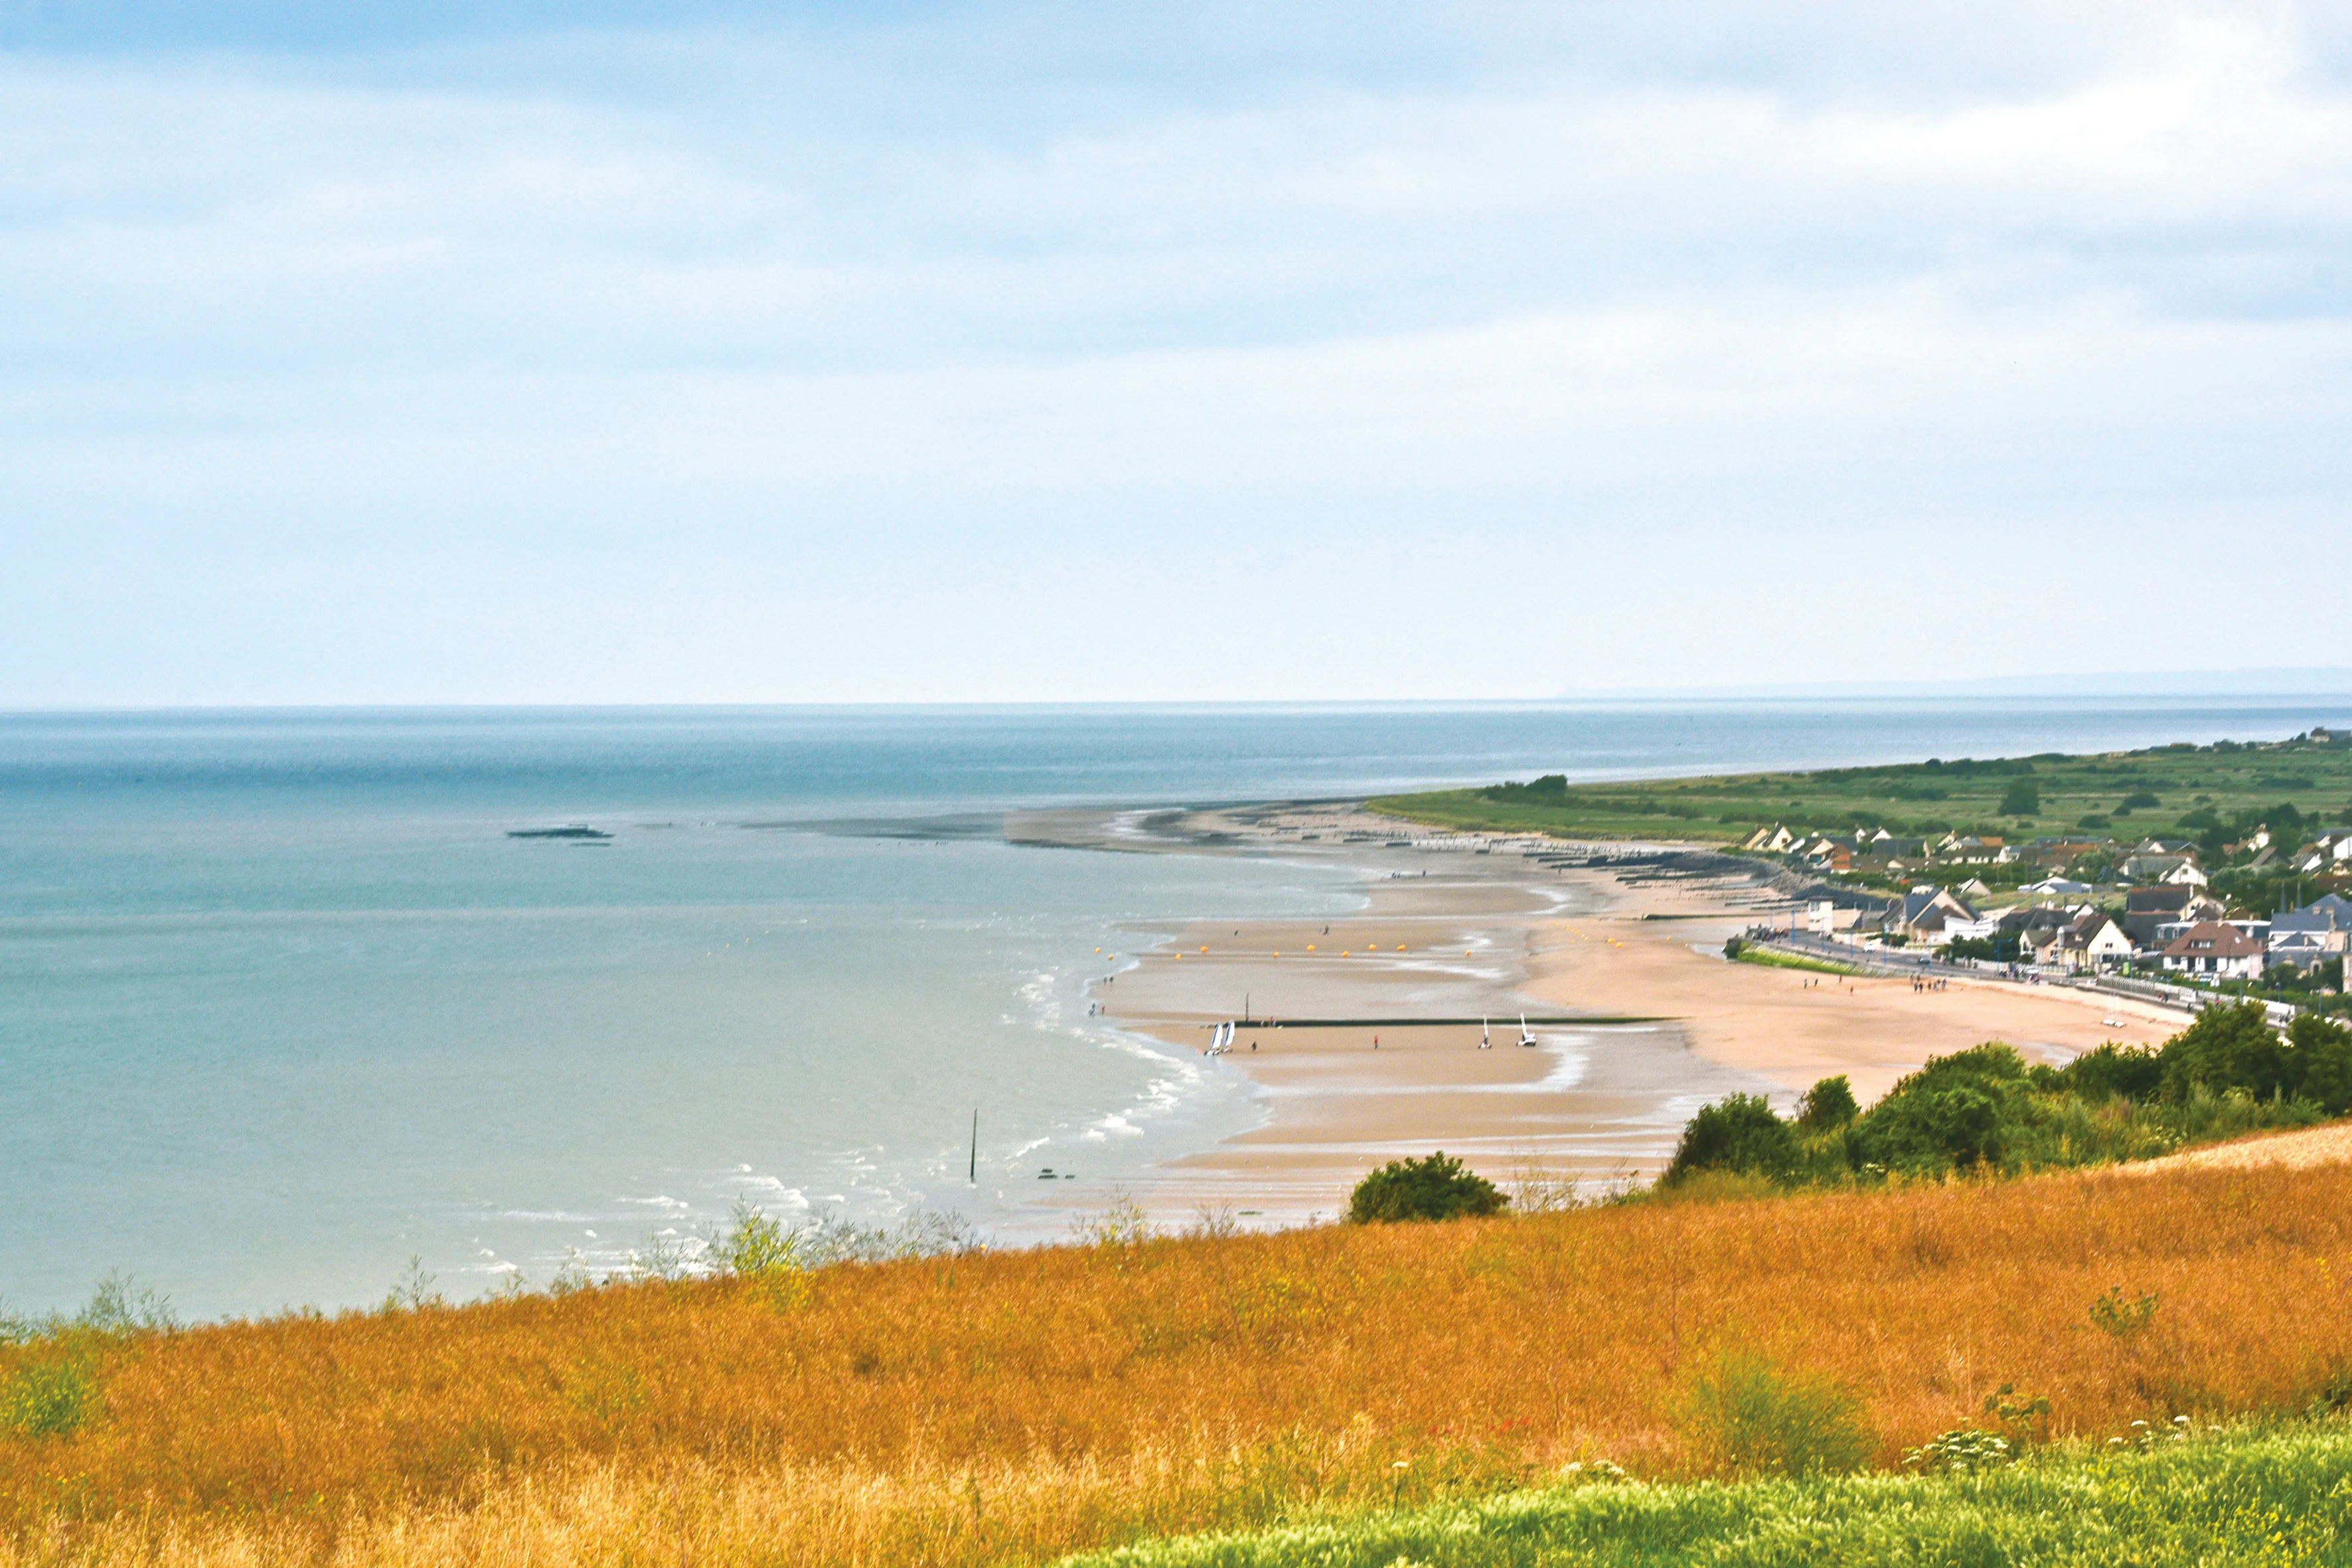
(2118, 1317)
(754, 1246)
(1739, 1133)
(2226, 1047)
(47, 1398)
(2320, 1056)
(2110, 1072)
(2021, 798)
(1828, 1105)
(1434, 1188)
(1959, 1110)
(1747, 1416)
(2228, 1073)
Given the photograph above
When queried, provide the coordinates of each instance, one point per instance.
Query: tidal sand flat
(1360, 1037)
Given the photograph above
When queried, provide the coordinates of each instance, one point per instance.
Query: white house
(2213, 950)
(2330, 848)
(1826, 917)
(2096, 942)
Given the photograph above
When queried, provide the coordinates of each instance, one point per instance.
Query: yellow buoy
(1204, 949)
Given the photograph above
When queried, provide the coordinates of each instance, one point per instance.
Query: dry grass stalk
(1011, 1406)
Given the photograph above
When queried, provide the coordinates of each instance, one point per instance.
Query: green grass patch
(2282, 1495)
(1749, 953)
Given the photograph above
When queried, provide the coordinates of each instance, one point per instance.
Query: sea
(290, 1014)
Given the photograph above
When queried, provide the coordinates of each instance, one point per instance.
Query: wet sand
(1456, 926)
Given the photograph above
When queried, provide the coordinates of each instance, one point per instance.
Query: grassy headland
(1015, 1407)
(2212, 793)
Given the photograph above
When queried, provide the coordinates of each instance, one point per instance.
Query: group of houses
(2168, 921)
(2154, 860)
(2176, 927)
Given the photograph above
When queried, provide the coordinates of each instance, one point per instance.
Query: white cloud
(476, 378)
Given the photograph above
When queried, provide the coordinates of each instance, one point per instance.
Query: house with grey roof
(2181, 870)
(1923, 913)
(2324, 925)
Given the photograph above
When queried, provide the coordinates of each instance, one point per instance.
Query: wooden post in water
(974, 1175)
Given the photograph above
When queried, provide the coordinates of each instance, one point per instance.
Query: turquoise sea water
(282, 1005)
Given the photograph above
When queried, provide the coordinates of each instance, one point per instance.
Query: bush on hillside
(1739, 1134)
(2110, 1072)
(1747, 1417)
(2228, 1072)
(2320, 1056)
(1955, 1112)
(49, 1397)
(1828, 1105)
(2225, 1048)
(1434, 1188)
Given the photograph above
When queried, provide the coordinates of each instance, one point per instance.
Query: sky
(619, 353)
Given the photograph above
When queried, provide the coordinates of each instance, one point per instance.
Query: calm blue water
(281, 1005)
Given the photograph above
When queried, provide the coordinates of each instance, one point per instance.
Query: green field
(2282, 1495)
(2215, 795)
(1791, 961)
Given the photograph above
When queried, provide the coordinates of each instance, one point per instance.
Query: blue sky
(621, 353)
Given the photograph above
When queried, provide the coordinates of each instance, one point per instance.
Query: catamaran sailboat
(1525, 1038)
(1486, 1043)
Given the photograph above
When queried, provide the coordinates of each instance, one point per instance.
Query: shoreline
(1644, 1020)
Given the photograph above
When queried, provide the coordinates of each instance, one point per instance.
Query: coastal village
(2078, 904)
(2237, 881)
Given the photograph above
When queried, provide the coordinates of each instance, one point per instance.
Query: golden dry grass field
(1012, 1406)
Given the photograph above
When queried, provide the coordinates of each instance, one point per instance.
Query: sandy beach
(1360, 1036)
